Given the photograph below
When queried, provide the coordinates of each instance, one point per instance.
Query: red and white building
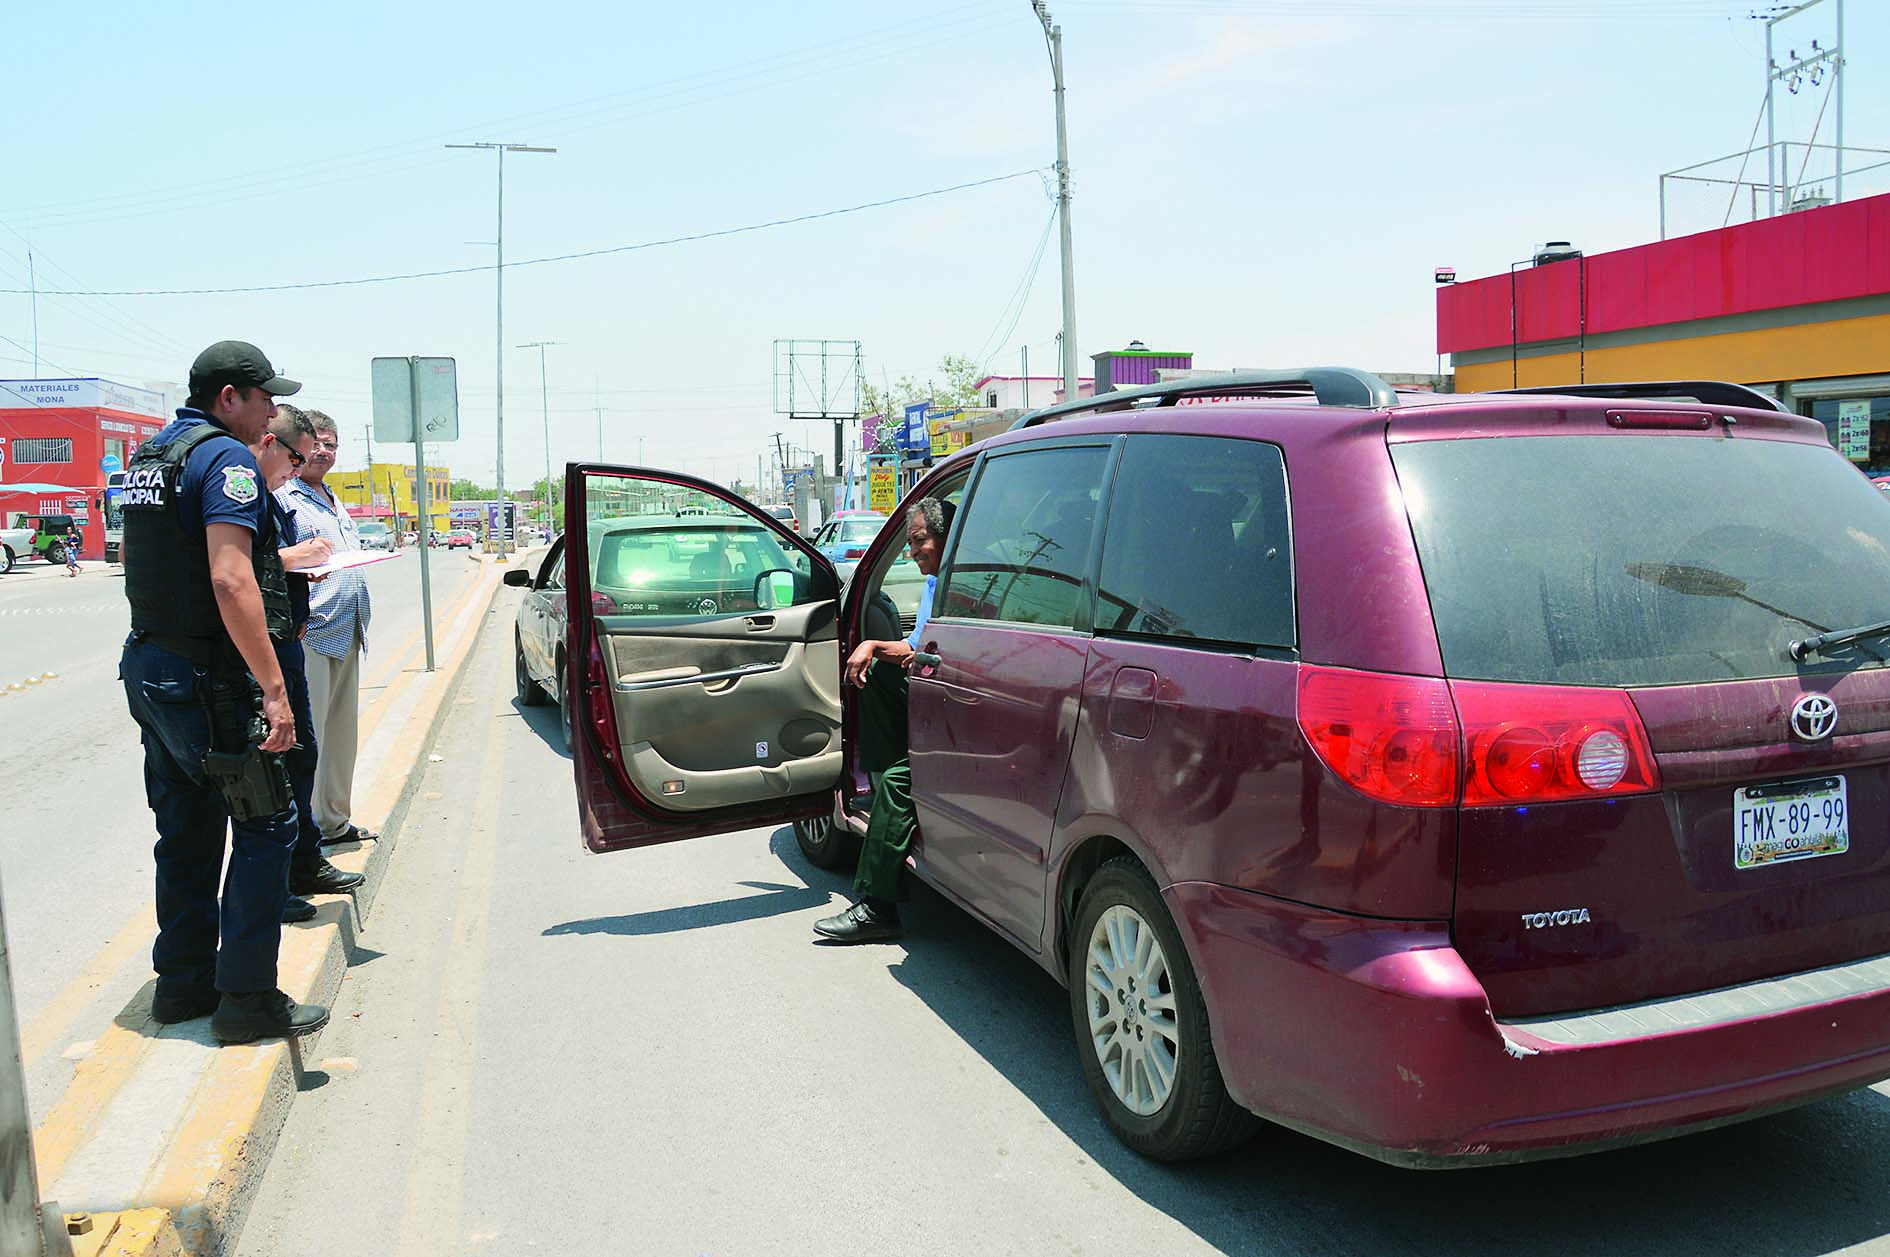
(66, 437)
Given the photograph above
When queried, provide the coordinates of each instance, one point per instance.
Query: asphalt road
(542, 1049)
(75, 834)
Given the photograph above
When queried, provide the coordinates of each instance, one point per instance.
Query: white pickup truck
(16, 545)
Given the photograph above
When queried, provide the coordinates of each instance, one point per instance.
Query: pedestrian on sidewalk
(72, 543)
(281, 451)
(339, 611)
(206, 588)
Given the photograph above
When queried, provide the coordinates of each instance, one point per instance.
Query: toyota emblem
(1813, 717)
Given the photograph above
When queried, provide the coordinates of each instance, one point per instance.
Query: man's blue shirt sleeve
(925, 611)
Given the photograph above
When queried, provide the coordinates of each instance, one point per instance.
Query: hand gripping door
(705, 693)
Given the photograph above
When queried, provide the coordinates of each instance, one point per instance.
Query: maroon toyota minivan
(1454, 778)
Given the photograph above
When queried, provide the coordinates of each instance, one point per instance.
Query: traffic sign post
(417, 399)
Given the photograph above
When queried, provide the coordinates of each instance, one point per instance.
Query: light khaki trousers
(334, 696)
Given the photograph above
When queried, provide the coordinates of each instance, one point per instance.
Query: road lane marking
(99, 1077)
(430, 1215)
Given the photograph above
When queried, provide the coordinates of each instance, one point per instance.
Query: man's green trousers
(881, 872)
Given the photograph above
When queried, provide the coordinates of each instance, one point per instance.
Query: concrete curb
(186, 1129)
(133, 1233)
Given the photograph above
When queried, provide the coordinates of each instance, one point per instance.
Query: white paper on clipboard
(353, 558)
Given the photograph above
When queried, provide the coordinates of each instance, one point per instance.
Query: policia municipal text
(207, 591)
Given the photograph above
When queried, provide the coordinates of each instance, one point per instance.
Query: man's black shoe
(169, 1008)
(322, 878)
(264, 1015)
(296, 910)
(860, 924)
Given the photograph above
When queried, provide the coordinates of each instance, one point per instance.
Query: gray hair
(317, 421)
(937, 515)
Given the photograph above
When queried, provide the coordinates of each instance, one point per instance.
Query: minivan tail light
(1546, 743)
(1391, 738)
(856, 552)
(597, 708)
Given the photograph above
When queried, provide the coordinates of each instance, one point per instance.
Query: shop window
(42, 449)
(1833, 412)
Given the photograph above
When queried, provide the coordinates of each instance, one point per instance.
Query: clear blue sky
(1264, 182)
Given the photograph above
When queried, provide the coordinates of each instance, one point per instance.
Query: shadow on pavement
(815, 891)
(544, 722)
(1803, 1182)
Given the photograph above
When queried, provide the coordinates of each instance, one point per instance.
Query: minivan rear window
(1643, 560)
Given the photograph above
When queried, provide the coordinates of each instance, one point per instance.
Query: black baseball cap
(240, 363)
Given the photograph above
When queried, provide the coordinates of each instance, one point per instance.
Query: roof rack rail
(1706, 392)
(1329, 386)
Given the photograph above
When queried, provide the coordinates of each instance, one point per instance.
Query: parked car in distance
(844, 538)
(15, 545)
(460, 539)
(785, 514)
(374, 535)
(48, 534)
(410, 537)
(1481, 849)
(538, 636)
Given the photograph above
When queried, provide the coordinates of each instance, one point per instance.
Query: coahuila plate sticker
(1790, 820)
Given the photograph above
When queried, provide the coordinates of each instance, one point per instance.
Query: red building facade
(68, 436)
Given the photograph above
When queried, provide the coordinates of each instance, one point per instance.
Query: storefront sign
(1854, 430)
(882, 489)
(87, 394)
(917, 437)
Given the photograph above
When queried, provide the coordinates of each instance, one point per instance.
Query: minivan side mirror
(778, 588)
(518, 576)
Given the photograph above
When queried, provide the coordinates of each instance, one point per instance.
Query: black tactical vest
(167, 570)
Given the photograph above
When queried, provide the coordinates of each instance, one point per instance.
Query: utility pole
(499, 338)
(32, 282)
(544, 401)
(1053, 37)
(1814, 67)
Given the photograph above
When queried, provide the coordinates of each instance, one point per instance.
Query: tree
(466, 491)
(961, 383)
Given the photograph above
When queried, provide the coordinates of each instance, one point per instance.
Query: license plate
(1793, 820)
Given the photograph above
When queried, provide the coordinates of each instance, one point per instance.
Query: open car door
(706, 696)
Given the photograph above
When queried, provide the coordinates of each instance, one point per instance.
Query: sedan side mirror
(518, 576)
(778, 588)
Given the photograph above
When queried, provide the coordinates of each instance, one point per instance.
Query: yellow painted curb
(133, 1233)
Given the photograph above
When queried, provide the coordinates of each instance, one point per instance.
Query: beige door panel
(730, 710)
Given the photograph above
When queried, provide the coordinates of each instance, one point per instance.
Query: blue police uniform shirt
(298, 584)
(220, 483)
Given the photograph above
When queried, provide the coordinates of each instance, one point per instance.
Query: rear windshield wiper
(1843, 637)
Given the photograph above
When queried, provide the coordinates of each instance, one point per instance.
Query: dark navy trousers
(300, 760)
(203, 943)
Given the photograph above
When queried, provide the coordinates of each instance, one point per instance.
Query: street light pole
(544, 401)
(499, 340)
(1053, 37)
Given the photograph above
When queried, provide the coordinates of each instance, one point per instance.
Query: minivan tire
(6, 559)
(564, 707)
(825, 844)
(530, 693)
(1193, 1116)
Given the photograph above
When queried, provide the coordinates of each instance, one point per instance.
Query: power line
(561, 257)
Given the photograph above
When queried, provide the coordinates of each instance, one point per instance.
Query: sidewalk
(161, 1117)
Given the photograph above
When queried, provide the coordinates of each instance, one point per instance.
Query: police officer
(207, 589)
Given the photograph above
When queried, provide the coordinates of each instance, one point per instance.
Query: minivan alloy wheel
(1132, 1023)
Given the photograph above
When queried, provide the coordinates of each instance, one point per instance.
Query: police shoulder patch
(239, 484)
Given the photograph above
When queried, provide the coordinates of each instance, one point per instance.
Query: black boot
(319, 877)
(170, 1007)
(251, 1015)
(296, 909)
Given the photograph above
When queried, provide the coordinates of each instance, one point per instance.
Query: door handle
(759, 623)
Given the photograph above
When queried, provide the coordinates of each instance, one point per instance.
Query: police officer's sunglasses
(297, 459)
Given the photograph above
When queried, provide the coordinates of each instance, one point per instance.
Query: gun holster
(253, 782)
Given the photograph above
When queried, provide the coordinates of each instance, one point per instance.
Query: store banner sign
(1854, 430)
(882, 489)
(917, 438)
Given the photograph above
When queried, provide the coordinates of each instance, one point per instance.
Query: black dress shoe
(168, 1007)
(353, 833)
(322, 878)
(296, 909)
(264, 1015)
(860, 924)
